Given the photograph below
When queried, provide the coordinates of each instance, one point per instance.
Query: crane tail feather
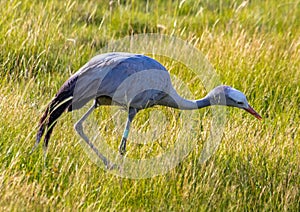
(48, 121)
(61, 102)
(41, 130)
(43, 124)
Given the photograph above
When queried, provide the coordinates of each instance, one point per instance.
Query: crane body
(132, 81)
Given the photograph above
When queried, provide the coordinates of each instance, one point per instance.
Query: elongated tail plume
(42, 125)
(61, 102)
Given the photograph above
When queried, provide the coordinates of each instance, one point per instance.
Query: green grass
(254, 46)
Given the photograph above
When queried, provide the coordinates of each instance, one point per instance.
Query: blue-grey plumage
(133, 81)
(114, 74)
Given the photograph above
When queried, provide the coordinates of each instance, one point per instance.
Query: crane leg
(79, 129)
(131, 114)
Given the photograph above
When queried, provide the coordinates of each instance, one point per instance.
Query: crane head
(226, 95)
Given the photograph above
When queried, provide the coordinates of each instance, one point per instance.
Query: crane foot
(122, 147)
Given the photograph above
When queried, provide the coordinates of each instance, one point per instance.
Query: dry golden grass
(254, 46)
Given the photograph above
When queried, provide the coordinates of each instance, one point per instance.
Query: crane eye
(240, 103)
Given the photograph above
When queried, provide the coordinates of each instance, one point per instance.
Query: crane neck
(204, 102)
(186, 104)
(176, 101)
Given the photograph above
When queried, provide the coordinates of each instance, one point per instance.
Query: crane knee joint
(78, 127)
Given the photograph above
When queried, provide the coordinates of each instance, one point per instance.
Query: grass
(253, 45)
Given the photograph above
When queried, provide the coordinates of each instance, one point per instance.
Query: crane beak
(253, 112)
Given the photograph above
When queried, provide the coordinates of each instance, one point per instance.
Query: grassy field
(253, 45)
